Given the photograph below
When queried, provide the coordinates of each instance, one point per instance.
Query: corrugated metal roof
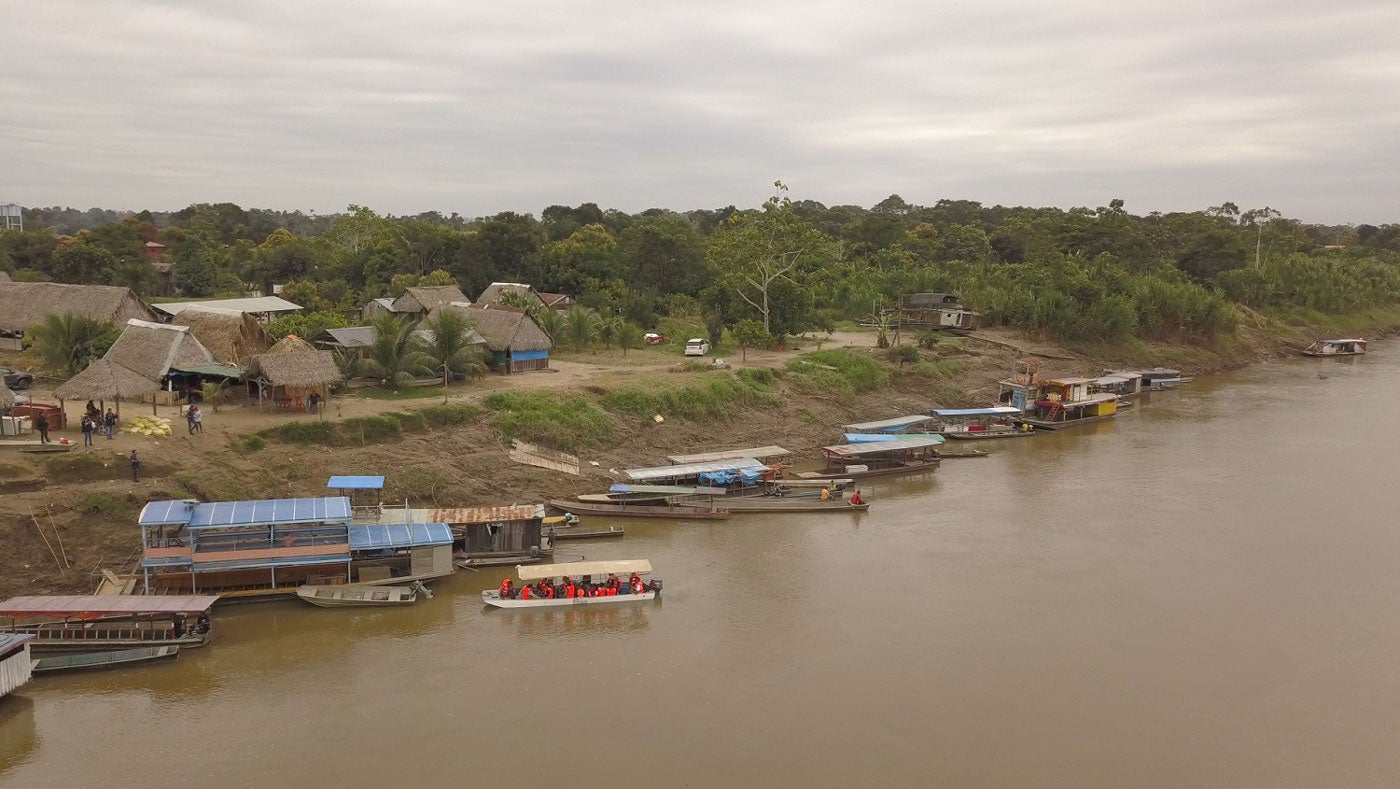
(685, 490)
(885, 425)
(684, 470)
(167, 561)
(399, 535)
(460, 516)
(256, 304)
(9, 642)
(350, 482)
(100, 605)
(354, 336)
(1066, 381)
(328, 509)
(166, 513)
(1000, 410)
(727, 454)
(849, 450)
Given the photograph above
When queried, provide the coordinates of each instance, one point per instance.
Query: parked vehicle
(17, 380)
(697, 346)
(653, 338)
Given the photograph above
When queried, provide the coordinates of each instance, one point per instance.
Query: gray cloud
(413, 106)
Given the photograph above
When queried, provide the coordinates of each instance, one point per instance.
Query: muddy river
(1205, 592)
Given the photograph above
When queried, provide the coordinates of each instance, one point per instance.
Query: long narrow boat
(358, 596)
(637, 510)
(586, 572)
(586, 533)
(100, 623)
(88, 661)
(751, 504)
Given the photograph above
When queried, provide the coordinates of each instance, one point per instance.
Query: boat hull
(893, 471)
(493, 598)
(987, 436)
(783, 504)
(637, 510)
(93, 661)
(1040, 424)
(577, 533)
(352, 596)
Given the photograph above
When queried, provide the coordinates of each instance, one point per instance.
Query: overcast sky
(407, 106)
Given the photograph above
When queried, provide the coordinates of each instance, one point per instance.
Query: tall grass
(706, 399)
(570, 424)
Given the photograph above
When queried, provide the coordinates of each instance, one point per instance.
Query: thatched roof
(232, 337)
(496, 290)
(154, 349)
(425, 299)
(507, 328)
(104, 379)
(292, 344)
(294, 368)
(26, 303)
(7, 398)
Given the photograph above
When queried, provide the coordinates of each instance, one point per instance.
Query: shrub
(711, 398)
(253, 443)
(307, 432)
(107, 504)
(449, 414)
(568, 424)
(370, 428)
(860, 372)
(758, 376)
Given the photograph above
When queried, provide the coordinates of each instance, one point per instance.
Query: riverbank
(65, 518)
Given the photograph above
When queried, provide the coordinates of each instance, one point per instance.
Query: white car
(697, 346)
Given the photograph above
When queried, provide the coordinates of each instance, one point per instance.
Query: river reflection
(1199, 593)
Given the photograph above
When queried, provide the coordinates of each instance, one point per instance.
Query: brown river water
(1204, 593)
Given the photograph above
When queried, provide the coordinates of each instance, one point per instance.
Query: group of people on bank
(567, 588)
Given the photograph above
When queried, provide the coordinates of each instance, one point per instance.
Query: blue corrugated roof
(166, 513)
(350, 482)
(329, 509)
(1001, 410)
(281, 561)
(870, 438)
(398, 535)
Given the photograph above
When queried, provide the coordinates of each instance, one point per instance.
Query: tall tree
(396, 358)
(450, 346)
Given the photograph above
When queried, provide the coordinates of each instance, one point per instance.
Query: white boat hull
(356, 596)
(492, 597)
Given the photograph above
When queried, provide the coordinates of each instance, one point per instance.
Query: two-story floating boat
(1353, 347)
(1052, 401)
(252, 549)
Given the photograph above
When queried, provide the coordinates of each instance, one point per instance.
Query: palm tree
(450, 348)
(396, 357)
(552, 321)
(345, 359)
(581, 327)
(629, 335)
(70, 342)
(607, 329)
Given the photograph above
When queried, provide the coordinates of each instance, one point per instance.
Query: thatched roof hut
(496, 291)
(232, 337)
(25, 303)
(295, 367)
(514, 341)
(104, 379)
(154, 349)
(422, 300)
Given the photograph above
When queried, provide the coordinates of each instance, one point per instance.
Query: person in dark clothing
(135, 467)
(87, 428)
(315, 401)
(109, 423)
(41, 423)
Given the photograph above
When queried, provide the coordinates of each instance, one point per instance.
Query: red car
(654, 339)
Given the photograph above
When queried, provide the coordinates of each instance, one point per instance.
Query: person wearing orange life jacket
(526, 593)
(856, 498)
(505, 590)
(549, 591)
(636, 583)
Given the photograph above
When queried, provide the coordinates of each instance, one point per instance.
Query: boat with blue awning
(898, 424)
(975, 424)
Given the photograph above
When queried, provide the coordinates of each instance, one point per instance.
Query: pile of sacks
(148, 426)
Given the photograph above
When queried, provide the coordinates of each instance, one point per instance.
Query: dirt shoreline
(65, 518)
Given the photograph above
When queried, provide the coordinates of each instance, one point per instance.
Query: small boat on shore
(587, 533)
(359, 596)
(590, 576)
(1352, 347)
(808, 504)
(624, 510)
(88, 661)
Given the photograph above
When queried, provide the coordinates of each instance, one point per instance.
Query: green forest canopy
(1079, 274)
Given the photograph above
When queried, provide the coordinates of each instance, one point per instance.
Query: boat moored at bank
(96, 623)
(1351, 347)
(978, 424)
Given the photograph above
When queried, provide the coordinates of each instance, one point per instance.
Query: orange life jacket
(526, 593)
(505, 587)
(569, 591)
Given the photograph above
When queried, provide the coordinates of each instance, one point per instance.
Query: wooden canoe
(357, 596)
(97, 660)
(637, 510)
(752, 504)
(584, 533)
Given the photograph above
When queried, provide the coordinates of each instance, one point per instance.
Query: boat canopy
(817, 482)
(398, 535)
(167, 513)
(852, 450)
(268, 562)
(356, 483)
(93, 606)
(535, 572)
(1093, 399)
(1066, 381)
(886, 425)
(669, 490)
(329, 509)
(730, 454)
(683, 470)
(1112, 380)
(885, 438)
(952, 413)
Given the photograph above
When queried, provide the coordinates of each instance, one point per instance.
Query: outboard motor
(655, 585)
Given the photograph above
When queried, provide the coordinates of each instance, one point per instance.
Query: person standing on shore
(135, 467)
(41, 423)
(109, 423)
(87, 428)
(197, 421)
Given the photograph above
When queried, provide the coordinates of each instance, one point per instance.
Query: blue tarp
(356, 483)
(740, 477)
(398, 535)
(166, 513)
(526, 356)
(279, 561)
(1001, 410)
(329, 509)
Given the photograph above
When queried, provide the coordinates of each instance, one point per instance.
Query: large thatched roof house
(423, 300)
(23, 304)
(514, 342)
(154, 350)
(105, 380)
(232, 337)
(291, 370)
